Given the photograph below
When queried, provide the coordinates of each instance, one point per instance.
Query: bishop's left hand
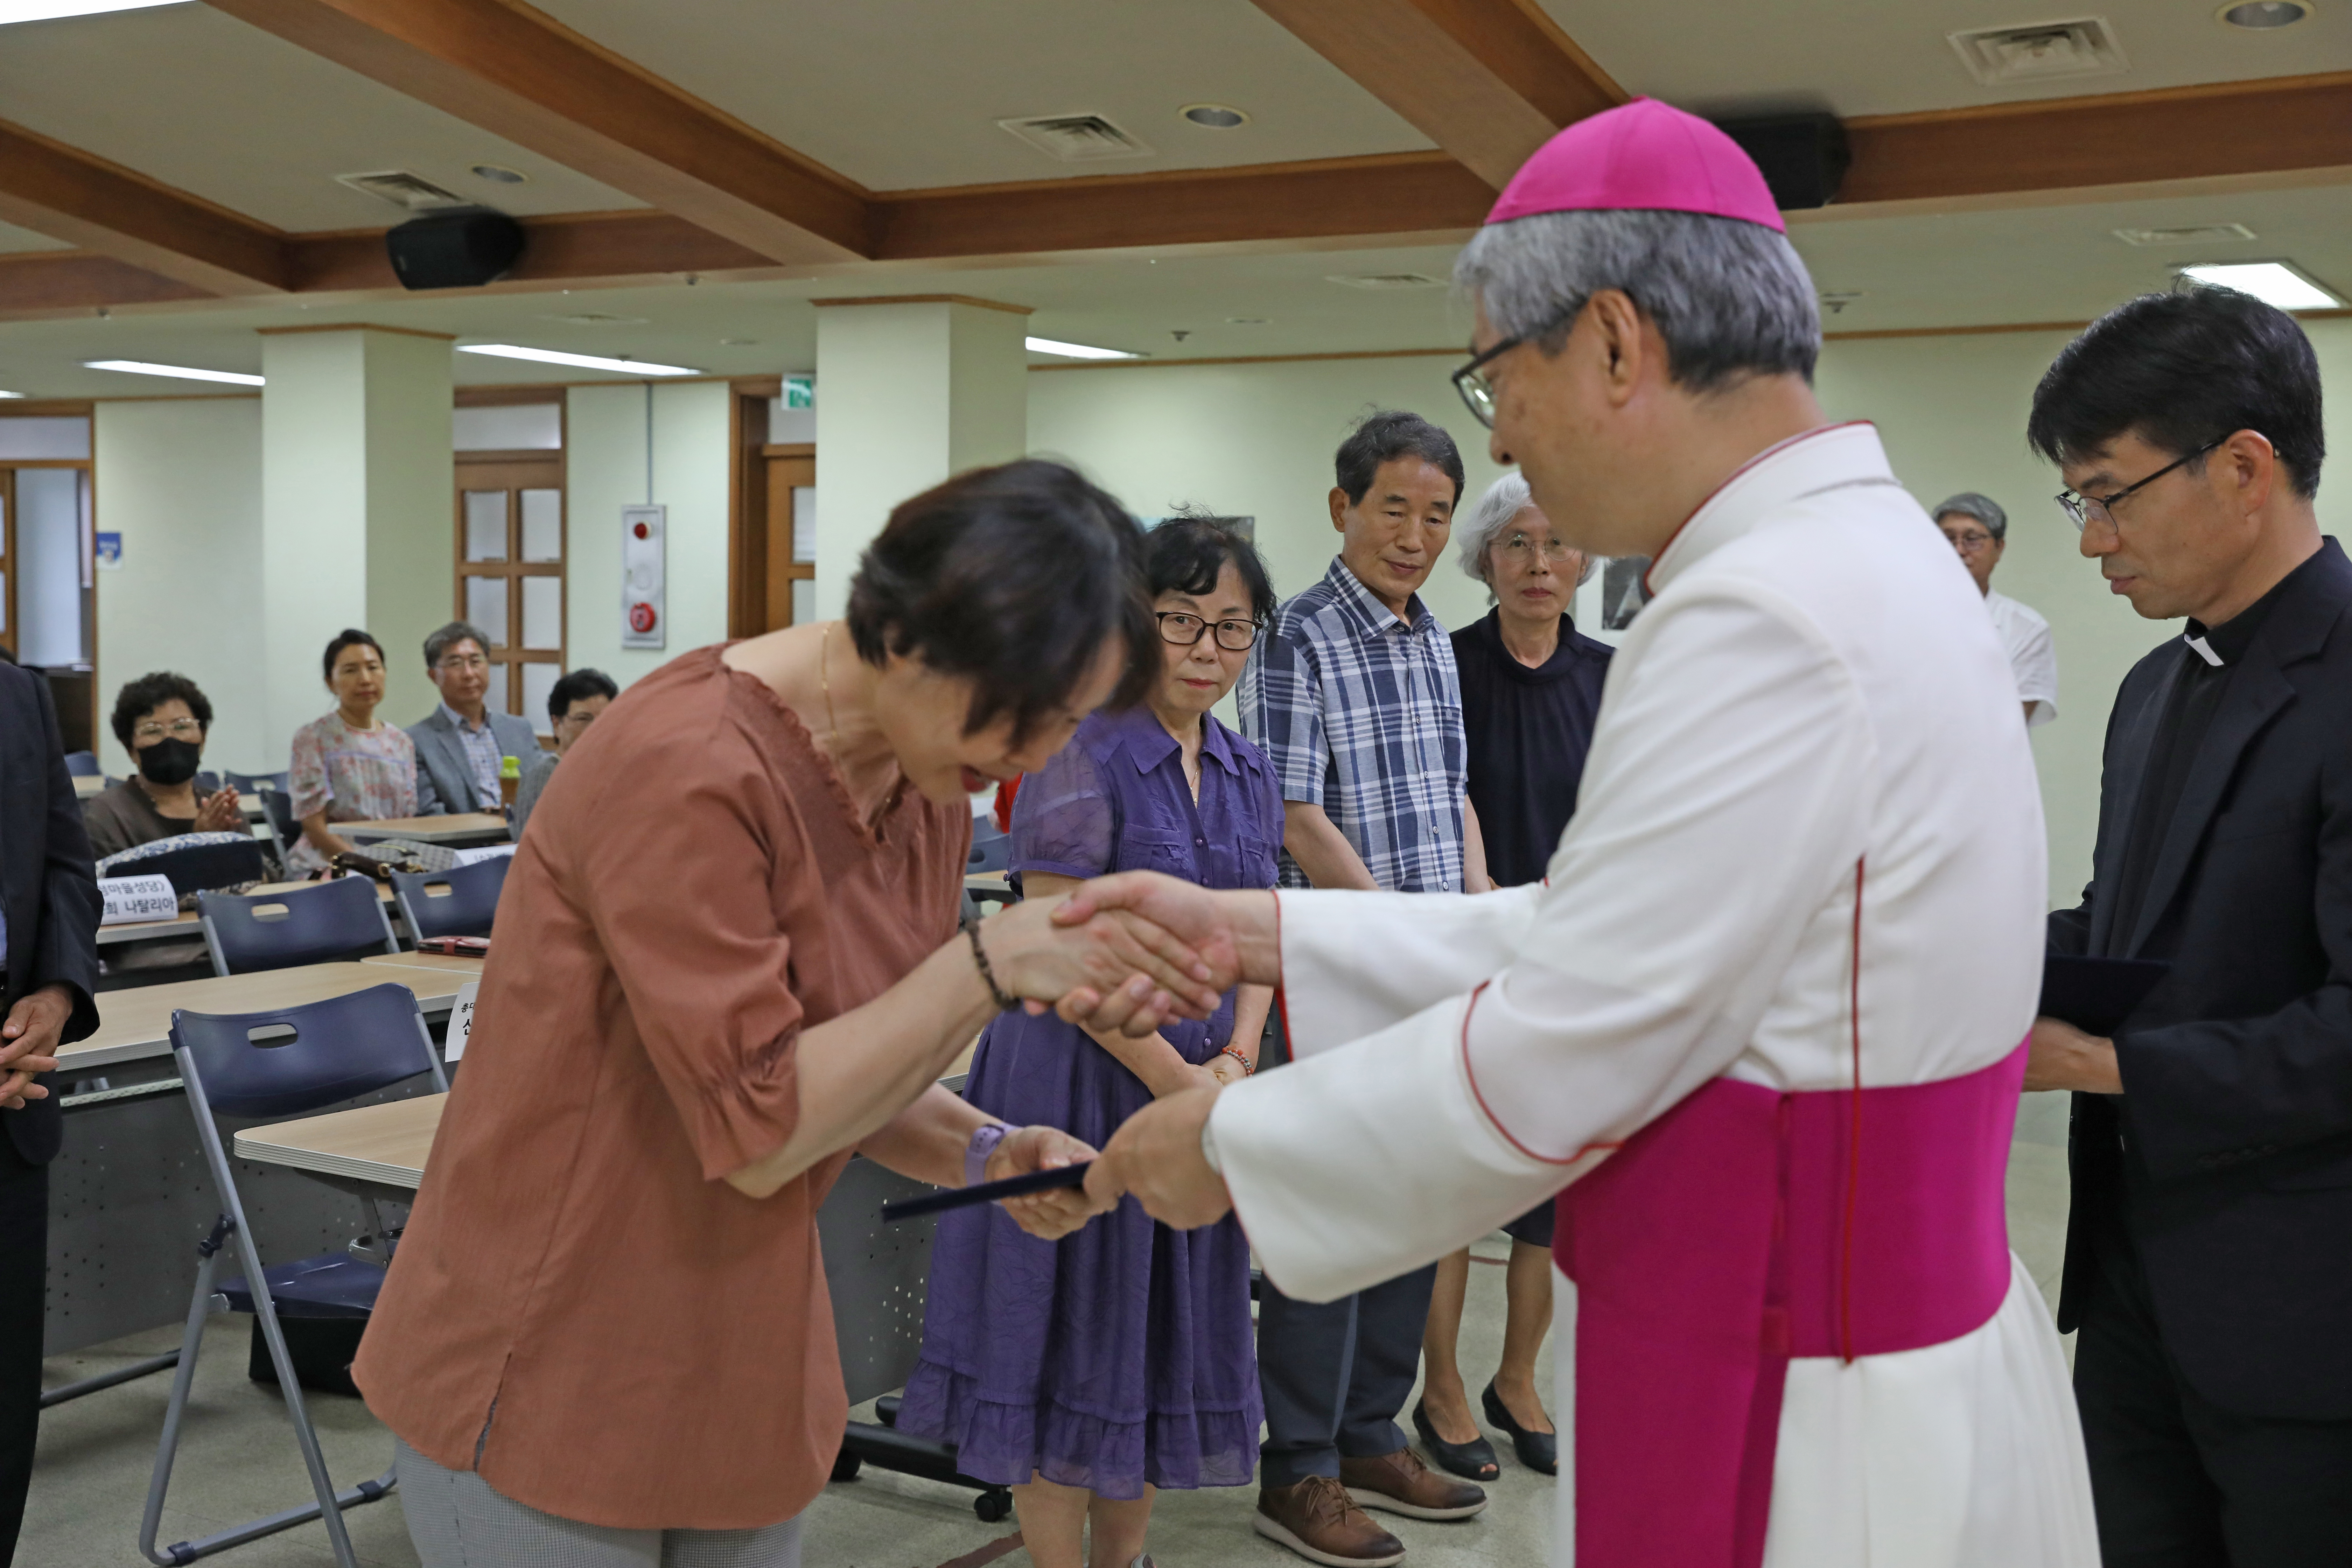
(1156, 1156)
(2064, 1056)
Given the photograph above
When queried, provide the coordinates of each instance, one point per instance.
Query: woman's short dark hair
(1383, 438)
(349, 637)
(1188, 555)
(2182, 369)
(1012, 576)
(141, 697)
(578, 687)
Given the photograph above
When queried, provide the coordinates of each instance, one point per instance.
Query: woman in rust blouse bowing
(726, 958)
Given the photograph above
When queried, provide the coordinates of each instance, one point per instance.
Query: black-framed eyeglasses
(2083, 508)
(1185, 631)
(1472, 382)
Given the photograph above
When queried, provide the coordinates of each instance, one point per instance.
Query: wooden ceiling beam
(2271, 126)
(519, 74)
(1487, 80)
(69, 194)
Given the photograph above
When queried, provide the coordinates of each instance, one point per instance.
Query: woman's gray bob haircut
(1730, 298)
(1505, 500)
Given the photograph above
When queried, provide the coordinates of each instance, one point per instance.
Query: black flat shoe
(1538, 1451)
(1473, 1461)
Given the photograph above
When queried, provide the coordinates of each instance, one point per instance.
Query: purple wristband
(976, 1152)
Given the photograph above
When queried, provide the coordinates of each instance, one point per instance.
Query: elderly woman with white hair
(1530, 692)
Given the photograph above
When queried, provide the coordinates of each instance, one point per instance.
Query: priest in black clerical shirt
(2212, 1138)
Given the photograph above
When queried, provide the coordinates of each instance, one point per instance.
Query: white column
(908, 391)
(357, 508)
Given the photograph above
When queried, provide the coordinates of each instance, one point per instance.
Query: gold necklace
(824, 683)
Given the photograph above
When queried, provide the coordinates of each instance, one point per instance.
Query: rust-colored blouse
(580, 1309)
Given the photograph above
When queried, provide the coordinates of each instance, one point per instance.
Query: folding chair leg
(330, 1503)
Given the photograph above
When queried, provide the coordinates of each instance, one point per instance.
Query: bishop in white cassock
(1762, 1027)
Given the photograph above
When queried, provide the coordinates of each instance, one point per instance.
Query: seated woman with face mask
(160, 718)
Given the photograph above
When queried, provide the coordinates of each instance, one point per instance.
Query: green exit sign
(799, 392)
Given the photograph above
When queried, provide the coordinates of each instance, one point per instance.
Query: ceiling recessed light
(1077, 351)
(2275, 283)
(178, 371)
(597, 319)
(1386, 280)
(49, 10)
(2262, 15)
(11, 394)
(1214, 116)
(739, 343)
(499, 174)
(582, 362)
(1245, 321)
(2187, 234)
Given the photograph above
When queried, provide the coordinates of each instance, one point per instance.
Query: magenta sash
(1743, 1227)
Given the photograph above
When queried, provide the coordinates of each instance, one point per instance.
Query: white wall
(606, 471)
(181, 481)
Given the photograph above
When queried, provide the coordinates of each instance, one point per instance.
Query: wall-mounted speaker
(463, 247)
(1804, 156)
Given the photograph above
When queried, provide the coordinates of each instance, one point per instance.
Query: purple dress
(1122, 1354)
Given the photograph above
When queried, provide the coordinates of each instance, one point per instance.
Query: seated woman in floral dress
(1087, 1372)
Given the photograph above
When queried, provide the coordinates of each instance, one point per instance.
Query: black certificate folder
(2097, 994)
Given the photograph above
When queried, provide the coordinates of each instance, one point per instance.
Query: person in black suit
(2208, 1253)
(48, 956)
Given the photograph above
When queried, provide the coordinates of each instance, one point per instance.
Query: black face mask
(170, 762)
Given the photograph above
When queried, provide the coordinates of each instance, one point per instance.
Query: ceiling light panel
(579, 362)
(177, 372)
(50, 10)
(2278, 284)
(1077, 351)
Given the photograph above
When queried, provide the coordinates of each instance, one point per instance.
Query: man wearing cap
(1978, 530)
(1762, 1029)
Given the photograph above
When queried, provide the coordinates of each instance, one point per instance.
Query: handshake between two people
(1127, 954)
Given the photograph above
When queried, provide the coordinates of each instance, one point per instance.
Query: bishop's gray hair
(1730, 298)
(1505, 500)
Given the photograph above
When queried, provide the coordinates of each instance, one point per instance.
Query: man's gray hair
(1730, 298)
(455, 632)
(1984, 508)
(1505, 500)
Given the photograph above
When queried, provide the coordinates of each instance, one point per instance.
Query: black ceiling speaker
(459, 247)
(1804, 156)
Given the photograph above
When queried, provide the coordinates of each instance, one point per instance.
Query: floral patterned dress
(354, 776)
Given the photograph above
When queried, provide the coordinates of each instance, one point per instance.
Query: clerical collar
(2228, 643)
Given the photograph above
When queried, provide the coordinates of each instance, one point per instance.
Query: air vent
(1388, 281)
(2003, 57)
(1077, 138)
(2191, 234)
(597, 319)
(410, 193)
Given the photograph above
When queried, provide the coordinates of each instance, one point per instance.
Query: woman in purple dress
(1087, 1372)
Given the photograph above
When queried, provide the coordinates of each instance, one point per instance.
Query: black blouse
(1527, 731)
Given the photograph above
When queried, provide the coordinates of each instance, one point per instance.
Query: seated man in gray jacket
(460, 743)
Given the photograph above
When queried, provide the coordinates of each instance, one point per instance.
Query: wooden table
(376, 1145)
(135, 1025)
(448, 962)
(459, 829)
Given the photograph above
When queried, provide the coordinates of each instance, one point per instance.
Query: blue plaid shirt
(1361, 714)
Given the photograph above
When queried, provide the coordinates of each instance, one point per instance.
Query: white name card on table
(461, 1022)
(488, 852)
(133, 898)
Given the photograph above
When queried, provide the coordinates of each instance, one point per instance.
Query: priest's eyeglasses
(2085, 509)
(1183, 630)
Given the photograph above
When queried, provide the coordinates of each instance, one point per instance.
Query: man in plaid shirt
(1352, 694)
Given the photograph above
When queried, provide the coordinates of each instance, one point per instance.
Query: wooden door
(790, 533)
(8, 560)
(510, 572)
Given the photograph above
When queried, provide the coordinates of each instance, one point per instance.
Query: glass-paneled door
(510, 549)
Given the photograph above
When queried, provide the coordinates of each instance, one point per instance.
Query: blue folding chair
(206, 781)
(992, 848)
(301, 925)
(284, 1063)
(465, 905)
(83, 764)
(253, 784)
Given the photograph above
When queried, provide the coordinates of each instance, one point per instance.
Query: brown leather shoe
(1316, 1519)
(1401, 1483)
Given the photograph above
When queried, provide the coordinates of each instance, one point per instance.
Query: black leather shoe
(1538, 1451)
(1473, 1460)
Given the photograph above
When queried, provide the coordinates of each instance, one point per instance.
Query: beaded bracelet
(988, 977)
(1248, 1066)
